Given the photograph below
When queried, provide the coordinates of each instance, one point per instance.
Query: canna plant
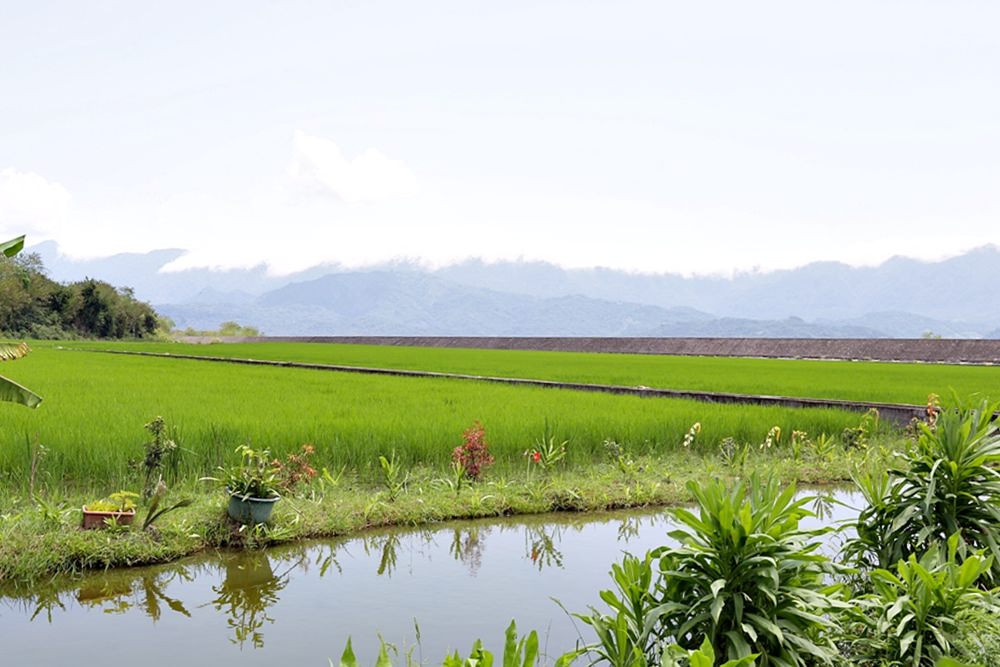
(11, 391)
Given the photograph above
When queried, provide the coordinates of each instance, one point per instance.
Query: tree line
(32, 305)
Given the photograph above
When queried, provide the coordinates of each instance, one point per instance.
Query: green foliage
(33, 305)
(121, 501)
(704, 656)
(977, 637)
(155, 512)
(849, 380)
(394, 477)
(947, 482)
(92, 403)
(156, 450)
(517, 652)
(745, 578)
(252, 477)
(11, 391)
(915, 610)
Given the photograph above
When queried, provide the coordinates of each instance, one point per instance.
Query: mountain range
(900, 298)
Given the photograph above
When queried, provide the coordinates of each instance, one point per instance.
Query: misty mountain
(407, 303)
(899, 298)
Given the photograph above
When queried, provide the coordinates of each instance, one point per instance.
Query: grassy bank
(40, 538)
(849, 380)
(91, 422)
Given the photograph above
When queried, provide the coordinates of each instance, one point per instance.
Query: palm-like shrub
(947, 482)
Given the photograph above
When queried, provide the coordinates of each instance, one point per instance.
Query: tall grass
(91, 422)
(851, 380)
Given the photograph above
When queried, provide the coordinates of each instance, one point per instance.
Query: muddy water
(298, 605)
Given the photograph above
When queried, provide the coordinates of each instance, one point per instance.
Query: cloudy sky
(696, 137)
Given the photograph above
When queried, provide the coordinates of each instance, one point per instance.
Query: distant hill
(899, 298)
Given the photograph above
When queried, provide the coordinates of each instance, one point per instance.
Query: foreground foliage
(744, 578)
(947, 482)
(915, 611)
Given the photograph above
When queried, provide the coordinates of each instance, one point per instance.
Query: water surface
(298, 605)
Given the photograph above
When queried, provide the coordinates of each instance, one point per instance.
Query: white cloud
(31, 204)
(319, 165)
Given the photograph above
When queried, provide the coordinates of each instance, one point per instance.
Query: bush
(947, 482)
(916, 610)
(745, 578)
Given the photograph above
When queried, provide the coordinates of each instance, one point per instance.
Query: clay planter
(248, 510)
(92, 520)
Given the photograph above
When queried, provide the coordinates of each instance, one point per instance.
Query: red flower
(536, 456)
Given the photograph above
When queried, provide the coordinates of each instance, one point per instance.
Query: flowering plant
(547, 452)
(692, 433)
(296, 469)
(473, 455)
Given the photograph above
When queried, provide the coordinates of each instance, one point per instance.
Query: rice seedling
(92, 421)
(851, 380)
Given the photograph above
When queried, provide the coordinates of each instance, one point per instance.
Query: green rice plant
(851, 380)
(946, 483)
(94, 400)
(915, 610)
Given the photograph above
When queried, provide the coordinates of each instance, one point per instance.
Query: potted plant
(252, 486)
(118, 508)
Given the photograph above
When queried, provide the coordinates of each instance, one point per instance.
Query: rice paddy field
(848, 380)
(91, 421)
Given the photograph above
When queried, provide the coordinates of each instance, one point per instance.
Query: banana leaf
(12, 247)
(11, 391)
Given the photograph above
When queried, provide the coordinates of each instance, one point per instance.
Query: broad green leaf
(12, 247)
(12, 392)
(348, 658)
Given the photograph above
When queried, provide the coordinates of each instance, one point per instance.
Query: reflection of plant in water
(46, 600)
(467, 546)
(327, 559)
(540, 542)
(388, 544)
(629, 528)
(118, 593)
(249, 589)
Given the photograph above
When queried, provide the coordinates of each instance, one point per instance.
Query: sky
(655, 136)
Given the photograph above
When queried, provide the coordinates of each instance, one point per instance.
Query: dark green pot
(250, 510)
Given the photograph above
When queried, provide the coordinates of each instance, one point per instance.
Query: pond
(298, 605)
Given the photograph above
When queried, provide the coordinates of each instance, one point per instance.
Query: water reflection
(298, 604)
(249, 589)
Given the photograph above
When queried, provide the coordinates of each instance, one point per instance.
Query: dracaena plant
(745, 578)
(11, 391)
(947, 482)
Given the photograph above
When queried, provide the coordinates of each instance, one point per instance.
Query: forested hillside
(34, 306)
